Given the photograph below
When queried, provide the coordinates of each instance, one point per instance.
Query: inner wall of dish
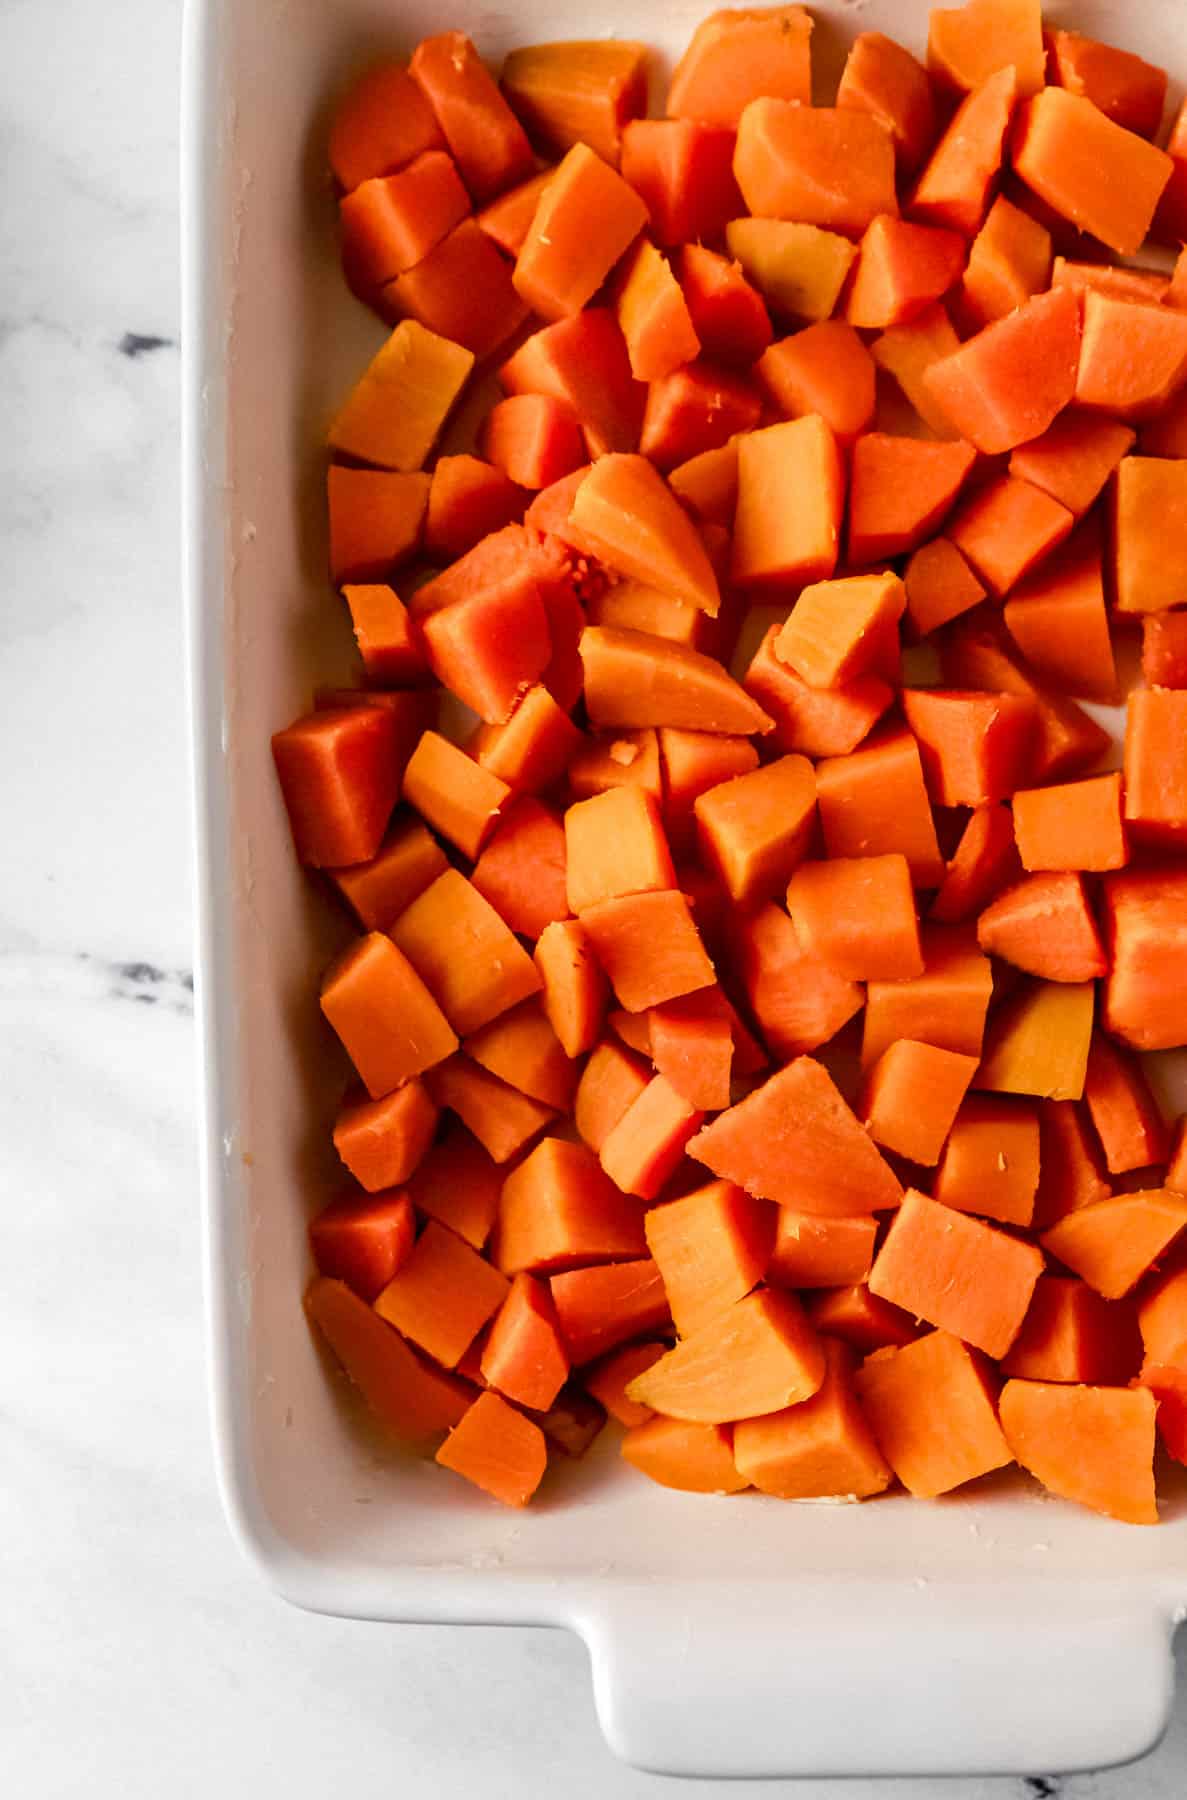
(296, 340)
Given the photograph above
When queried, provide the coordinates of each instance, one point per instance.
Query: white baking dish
(986, 1633)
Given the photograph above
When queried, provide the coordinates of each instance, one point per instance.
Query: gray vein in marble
(84, 976)
(135, 344)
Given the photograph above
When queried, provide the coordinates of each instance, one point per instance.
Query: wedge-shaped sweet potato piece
(465, 953)
(382, 122)
(754, 829)
(459, 1184)
(393, 415)
(521, 1048)
(376, 519)
(815, 1252)
(967, 44)
(503, 1119)
(340, 777)
(795, 1140)
(534, 438)
(1071, 1334)
(362, 1239)
(692, 1046)
(957, 1273)
(453, 793)
(1072, 825)
(736, 56)
(1146, 933)
(798, 1001)
(837, 630)
(831, 167)
(585, 219)
(883, 79)
(699, 407)
(1127, 90)
(990, 1164)
(1044, 925)
(1006, 529)
(787, 526)
(1066, 739)
(823, 369)
(443, 1295)
(1071, 1168)
(858, 914)
(390, 1025)
(1092, 172)
(611, 1081)
(1058, 620)
(653, 314)
(931, 1409)
(683, 170)
(642, 1150)
(382, 1141)
(1149, 507)
(584, 361)
(1038, 1041)
(608, 1378)
(1074, 458)
(574, 987)
(411, 1398)
(1113, 1242)
(757, 1357)
(984, 863)
(860, 1318)
(1008, 383)
(560, 1211)
(818, 722)
(506, 220)
(728, 314)
(696, 1459)
(1009, 260)
(945, 1006)
(910, 1098)
(390, 222)
(635, 680)
(954, 185)
(712, 1246)
(900, 491)
(628, 512)
(1090, 1444)
(577, 92)
(820, 1448)
(523, 1356)
(974, 746)
(874, 801)
(602, 1307)
(486, 138)
(1132, 1131)
(798, 269)
(1132, 356)
(498, 1449)
(901, 269)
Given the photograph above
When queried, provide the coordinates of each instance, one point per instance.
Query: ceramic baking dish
(992, 1632)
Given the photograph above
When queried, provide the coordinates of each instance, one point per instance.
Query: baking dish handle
(877, 1679)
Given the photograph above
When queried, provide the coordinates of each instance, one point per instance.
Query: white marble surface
(138, 1657)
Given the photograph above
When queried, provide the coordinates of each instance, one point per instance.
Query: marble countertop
(139, 1656)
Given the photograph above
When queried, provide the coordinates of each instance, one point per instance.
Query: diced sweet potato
(931, 1409)
(584, 92)
(957, 1273)
(733, 57)
(796, 1141)
(820, 1448)
(1091, 1444)
(465, 953)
